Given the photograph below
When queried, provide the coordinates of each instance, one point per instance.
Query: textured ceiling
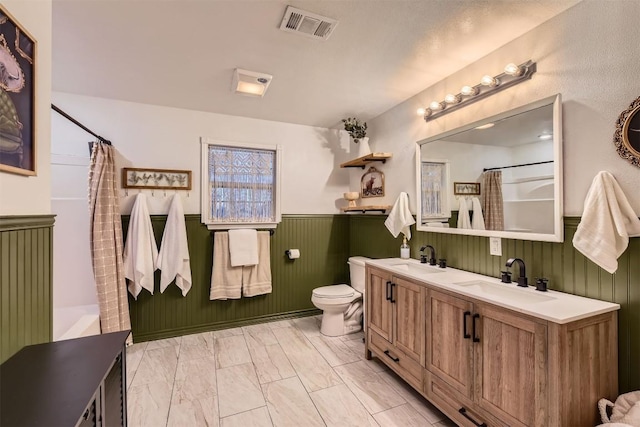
(181, 53)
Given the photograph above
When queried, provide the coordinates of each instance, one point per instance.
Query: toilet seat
(336, 294)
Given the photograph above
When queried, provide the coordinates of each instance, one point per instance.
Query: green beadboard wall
(26, 260)
(568, 271)
(323, 241)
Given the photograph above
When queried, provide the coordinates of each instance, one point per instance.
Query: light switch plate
(495, 246)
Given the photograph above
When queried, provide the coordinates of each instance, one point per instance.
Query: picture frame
(627, 134)
(156, 179)
(466, 188)
(17, 97)
(372, 183)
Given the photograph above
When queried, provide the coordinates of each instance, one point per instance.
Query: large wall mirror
(500, 177)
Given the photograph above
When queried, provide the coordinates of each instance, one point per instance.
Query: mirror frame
(558, 208)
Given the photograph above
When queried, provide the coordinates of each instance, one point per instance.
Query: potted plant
(356, 128)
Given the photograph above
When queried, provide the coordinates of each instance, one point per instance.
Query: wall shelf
(361, 162)
(363, 209)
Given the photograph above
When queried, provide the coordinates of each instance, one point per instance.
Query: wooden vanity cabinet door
(379, 307)
(409, 318)
(510, 366)
(449, 353)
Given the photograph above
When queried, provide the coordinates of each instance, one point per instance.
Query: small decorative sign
(163, 179)
(372, 183)
(466, 188)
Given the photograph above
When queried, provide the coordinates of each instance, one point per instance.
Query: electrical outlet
(495, 246)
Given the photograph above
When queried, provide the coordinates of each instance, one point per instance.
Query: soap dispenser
(404, 249)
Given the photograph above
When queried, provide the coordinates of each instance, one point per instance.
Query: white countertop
(554, 306)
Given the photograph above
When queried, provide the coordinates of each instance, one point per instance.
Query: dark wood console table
(78, 382)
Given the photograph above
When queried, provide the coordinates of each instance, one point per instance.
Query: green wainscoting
(568, 271)
(323, 241)
(25, 282)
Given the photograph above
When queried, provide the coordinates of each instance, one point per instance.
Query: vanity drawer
(451, 402)
(396, 359)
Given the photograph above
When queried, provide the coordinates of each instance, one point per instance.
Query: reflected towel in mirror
(463, 215)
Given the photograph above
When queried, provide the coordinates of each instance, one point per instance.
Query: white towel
(607, 223)
(478, 218)
(436, 224)
(400, 218)
(463, 214)
(140, 250)
(243, 247)
(173, 258)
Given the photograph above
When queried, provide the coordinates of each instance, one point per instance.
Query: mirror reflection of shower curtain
(492, 203)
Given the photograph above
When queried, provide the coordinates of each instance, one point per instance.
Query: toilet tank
(356, 272)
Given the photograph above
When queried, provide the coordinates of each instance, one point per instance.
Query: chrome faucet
(432, 258)
(522, 276)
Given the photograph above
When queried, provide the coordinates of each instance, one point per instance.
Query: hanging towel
(256, 279)
(400, 218)
(463, 214)
(607, 223)
(226, 281)
(478, 218)
(437, 224)
(243, 247)
(173, 258)
(140, 250)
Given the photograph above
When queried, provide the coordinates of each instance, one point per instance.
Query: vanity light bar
(512, 75)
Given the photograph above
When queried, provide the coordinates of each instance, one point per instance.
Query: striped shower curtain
(492, 204)
(106, 240)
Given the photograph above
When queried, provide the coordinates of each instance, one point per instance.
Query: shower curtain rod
(80, 125)
(517, 166)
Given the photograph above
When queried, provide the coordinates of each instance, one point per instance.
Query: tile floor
(273, 374)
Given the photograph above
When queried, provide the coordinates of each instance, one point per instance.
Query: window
(434, 187)
(240, 184)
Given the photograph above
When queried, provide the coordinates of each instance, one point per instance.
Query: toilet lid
(334, 291)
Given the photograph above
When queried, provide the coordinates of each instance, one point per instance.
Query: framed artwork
(466, 188)
(17, 92)
(627, 134)
(162, 179)
(372, 183)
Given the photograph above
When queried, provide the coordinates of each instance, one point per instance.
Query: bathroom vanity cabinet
(487, 359)
(396, 322)
(485, 363)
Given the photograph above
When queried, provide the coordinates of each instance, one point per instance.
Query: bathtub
(75, 322)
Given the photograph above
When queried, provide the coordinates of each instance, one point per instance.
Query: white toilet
(342, 304)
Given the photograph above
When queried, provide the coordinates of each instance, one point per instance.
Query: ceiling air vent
(307, 24)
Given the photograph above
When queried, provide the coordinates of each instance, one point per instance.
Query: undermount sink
(416, 268)
(505, 291)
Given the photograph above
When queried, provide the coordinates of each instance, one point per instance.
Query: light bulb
(468, 91)
(545, 136)
(436, 106)
(489, 81)
(420, 111)
(512, 69)
(452, 99)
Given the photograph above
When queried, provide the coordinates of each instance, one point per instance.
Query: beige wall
(169, 138)
(590, 54)
(21, 195)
